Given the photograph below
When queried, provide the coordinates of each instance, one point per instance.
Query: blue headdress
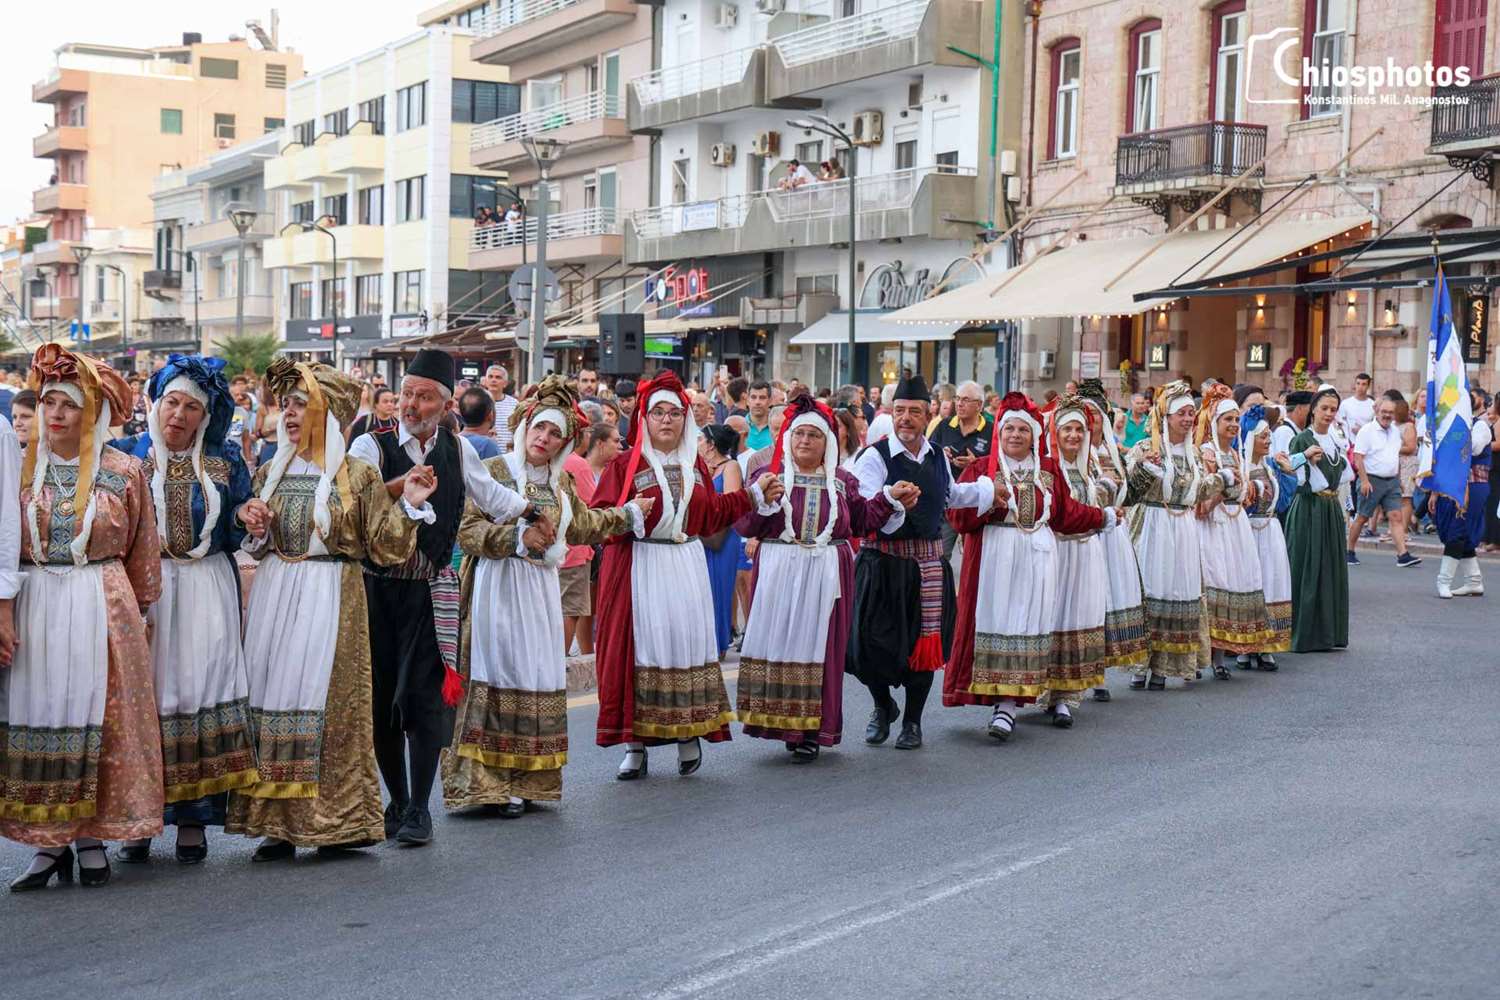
(1251, 423)
(202, 379)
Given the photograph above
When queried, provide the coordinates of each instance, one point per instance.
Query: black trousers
(406, 680)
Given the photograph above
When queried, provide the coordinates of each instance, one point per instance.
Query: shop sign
(1159, 358)
(697, 216)
(1476, 329)
(678, 288)
(1088, 364)
(890, 287)
(1258, 356)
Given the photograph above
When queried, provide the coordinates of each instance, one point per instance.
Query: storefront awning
(872, 328)
(1072, 281)
(675, 327)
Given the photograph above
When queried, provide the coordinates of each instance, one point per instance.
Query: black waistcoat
(931, 474)
(435, 540)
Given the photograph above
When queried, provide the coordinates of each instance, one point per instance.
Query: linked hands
(256, 517)
(420, 483)
(770, 487)
(906, 494)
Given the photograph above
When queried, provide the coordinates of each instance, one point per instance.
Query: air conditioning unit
(225, 143)
(722, 154)
(770, 6)
(767, 144)
(869, 128)
(727, 15)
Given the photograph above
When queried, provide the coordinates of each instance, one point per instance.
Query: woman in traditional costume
(1270, 542)
(1317, 535)
(656, 651)
(80, 749)
(1232, 588)
(1024, 634)
(791, 684)
(198, 483)
(511, 739)
(1124, 611)
(1167, 482)
(315, 515)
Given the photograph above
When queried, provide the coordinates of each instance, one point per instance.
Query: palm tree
(251, 353)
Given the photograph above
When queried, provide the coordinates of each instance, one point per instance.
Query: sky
(326, 32)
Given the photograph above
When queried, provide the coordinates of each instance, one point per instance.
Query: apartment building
(192, 285)
(570, 60)
(1144, 112)
(376, 196)
(910, 84)
(188, 100)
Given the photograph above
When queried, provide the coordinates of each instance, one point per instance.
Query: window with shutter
(1460, 34)
(275, 76)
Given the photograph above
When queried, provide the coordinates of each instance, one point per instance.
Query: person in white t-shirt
(1377, 461)
(1357, 410)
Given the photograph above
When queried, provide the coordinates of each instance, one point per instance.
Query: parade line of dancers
(136, 696)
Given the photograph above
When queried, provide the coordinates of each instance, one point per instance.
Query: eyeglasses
(665, 413)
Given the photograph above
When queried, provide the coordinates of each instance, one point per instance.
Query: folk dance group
(131, 701)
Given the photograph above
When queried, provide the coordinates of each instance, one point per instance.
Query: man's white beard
(423, 430)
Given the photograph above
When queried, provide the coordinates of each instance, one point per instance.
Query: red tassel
(453, 687)
(928, 654)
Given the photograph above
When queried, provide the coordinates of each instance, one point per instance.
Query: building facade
(934, 130)
(191, 100)
(376, 195)
(570, 60)
(193, 285)
(1138, 113)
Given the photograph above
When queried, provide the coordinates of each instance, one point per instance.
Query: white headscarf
(161, 457)
(515, 460)
(830, 476)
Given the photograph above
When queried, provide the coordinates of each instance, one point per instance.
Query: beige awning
(871, 329)
(1070, 282)
(654, 328)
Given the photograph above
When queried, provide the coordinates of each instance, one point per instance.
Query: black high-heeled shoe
(134, 854)
(632, 773)
(191, 854)
(62, 867)
(687, 767)
(92, 878)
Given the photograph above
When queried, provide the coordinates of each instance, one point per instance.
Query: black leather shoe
(687, 767)
(134, 854)
(1266, 663)
(416, 828)
(513, 810)
(62, 867)
(1157, 683)
(394, 814)
(632, 773)
(1062, 720)
(191, 854)
(279, 850)
(1101, 694)
(805, 753)
(879, 728)
(342, 850)
(93, 878)
(910, 738)
(1138, 682)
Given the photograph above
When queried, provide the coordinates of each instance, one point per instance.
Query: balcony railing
(1467, 114)
(158, 281)
(507, 15)
(561, 226)
(820, 200)
(671, 82)
(1218, 149)
(586, 107)
(850, 34)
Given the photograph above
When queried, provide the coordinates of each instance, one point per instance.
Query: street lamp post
(243, 219)
(824, 125)
(544, 152)
(317, 226)
(81, 252)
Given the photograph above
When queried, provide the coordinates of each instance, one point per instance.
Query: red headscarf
(1017, 402)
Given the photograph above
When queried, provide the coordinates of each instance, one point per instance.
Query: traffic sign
(520, 287)
(522, 333)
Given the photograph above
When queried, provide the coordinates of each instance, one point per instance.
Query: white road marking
(754, 958)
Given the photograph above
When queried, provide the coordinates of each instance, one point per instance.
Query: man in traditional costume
(1270, 542)
(1124, 610)
(198, 484)
(791, 684)
(903, 587)
(656, 650)
(511, 740)
(1030, 617)
(316, 516)
(414, 605)
(1167, 482)
(1232, 587)
(80, 749)
(1461, 530)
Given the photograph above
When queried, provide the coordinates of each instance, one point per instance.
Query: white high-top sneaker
(1446, 569)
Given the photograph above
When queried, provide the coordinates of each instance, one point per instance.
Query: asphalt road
(1326, 831)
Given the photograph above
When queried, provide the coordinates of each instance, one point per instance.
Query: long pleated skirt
(1316, 540)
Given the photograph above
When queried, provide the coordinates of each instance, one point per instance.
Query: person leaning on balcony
(515, 219)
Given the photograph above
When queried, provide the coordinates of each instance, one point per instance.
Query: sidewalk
(1426, 546)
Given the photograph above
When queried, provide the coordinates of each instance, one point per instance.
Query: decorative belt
(1479, 473)
(663, 541)
(1166, 506)
(1079, 538)
(1330, 494)
(806, 545)
(292, 558)
(909, 548)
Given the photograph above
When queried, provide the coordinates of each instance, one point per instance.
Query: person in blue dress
(198, 484)
(724, 549)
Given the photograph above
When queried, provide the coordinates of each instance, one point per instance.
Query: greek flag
(1448, 412)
